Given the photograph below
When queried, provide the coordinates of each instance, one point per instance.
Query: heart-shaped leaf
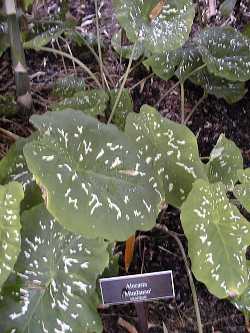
(231, 91)
(226, 53)
(10, 197)
(242, 191)
(242, 302)
(172, 151)
(96, 182)
(53, 288)
(224, 163)
(125, 51)
(92, 102)
(13, 167)
(167, 30)
(218, 237)
(68, 86)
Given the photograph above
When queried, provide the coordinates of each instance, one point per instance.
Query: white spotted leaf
(44, 38)
(226, 52)
(218, 236)
(92, 102)
(164, 65)
(172, 151)
(13, 167)
(167, 30)
(231, 91)
(242, 302)
(68, 86)
(53, 286)
(96, 182)
(224, 163)
(242, 191)
(10, 242)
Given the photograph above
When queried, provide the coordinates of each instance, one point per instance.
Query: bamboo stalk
(24, 99)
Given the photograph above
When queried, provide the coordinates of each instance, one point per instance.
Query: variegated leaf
(218, 236)
(44, 38)
(226, 52)
(53, 287)
(231, 91)
(164, 32)
(10, 197)
(242, 302)
(13, 167)
(242, 191)
(164, 65)
(92, 102)
(171, 149)
(68, 86)
(224, 163)
(95, 180)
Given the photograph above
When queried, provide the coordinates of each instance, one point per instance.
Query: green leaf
(242, 191)
(68, 86)
(124, 107)
(125, 51)
(44, 38)
(224, 163)
(190, 61)
(242, 302)
(13, 167)
(10, 197)
(227, 7)
(53, 289)
(92, 102)
(171, 149)
(167, 31)
(232, 92)
(96, 182)
(226, 53)
(218, 237)
(164, 65)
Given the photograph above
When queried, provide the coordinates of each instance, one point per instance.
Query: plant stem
(190, 278)
(99, 42)
(141, 81)
(96, 57)
(122, 85)
(77, 61)
(191, 281)
(22, 80)
(195, 107)
(182, 103)
(166, 93)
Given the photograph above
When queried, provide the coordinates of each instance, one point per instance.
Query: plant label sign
(137, 288)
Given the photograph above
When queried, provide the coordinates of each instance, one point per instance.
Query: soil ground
(154, 250)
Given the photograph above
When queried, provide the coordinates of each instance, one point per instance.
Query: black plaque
(137, 288)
